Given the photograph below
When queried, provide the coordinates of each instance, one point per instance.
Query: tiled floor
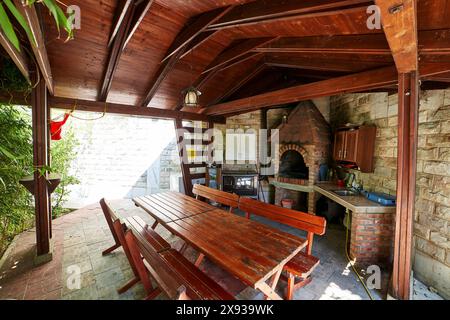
(81, 236)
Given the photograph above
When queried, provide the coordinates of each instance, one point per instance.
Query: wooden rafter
(19, 58)
(367, 44)
(399, 21)
(38, 43)
(260, 12)
(235, 52)
(129, 16)
(192, 30)
(197, 42)
(94, 106)
(367, 80)
(430, 42)
(245, 79)
(319, 64)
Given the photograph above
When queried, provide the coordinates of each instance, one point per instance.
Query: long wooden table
(251, 251)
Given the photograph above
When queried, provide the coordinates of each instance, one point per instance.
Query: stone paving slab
(81, 236)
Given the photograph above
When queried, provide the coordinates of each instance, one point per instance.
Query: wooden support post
(408, 108)
(40, 159)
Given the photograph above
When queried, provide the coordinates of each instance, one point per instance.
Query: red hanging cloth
(56, 126)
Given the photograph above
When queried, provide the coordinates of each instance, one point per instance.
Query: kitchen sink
(345, 193)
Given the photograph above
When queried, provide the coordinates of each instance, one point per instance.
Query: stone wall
(432, 216)
(121, 157)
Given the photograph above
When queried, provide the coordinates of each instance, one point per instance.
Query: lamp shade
(191, 97)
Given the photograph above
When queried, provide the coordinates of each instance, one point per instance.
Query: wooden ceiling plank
(259, 12)
(368, 80)
(237, 51)
(399, 21)
(38, 43)
(194, 28)
(178, 47)
(17, 57)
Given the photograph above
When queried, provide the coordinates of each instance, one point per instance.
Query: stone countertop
(356, 204)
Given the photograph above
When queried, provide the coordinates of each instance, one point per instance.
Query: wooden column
(408, 108)
(40, 159)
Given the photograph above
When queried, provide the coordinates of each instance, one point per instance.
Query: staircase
(195, 151)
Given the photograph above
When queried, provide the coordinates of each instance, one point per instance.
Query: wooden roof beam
(237, 51)
(249, 75)
(94, 106)
(259, 12)
(176, 50)
(130, 15)
(38, 43)
(399, 21)
(363, 81)
(17, 57)
(194, 28)
(430, 42)
(197, 42)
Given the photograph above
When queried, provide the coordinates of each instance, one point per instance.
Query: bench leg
(290, 286)
(128, 286)
(111, 249)
(199, 260)
(138, 263)
(154, 225)
(183, 248)
(153, 294)
(269, 291)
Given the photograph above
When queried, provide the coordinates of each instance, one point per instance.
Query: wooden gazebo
(136, 57)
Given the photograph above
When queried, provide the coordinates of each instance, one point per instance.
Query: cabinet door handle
(345, 154)
(340, 152)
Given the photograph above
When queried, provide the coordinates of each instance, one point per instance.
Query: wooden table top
(247, 249)
(171, 206)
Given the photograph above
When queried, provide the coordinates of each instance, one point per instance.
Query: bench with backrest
(118, 229)
(152, 257)
(230, 200)
(303, 264)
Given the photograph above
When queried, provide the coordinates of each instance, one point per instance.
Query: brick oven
(304, 144)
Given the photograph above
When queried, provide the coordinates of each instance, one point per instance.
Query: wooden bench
(230, 200)
(176, 276)
(304, 263)
(110, 217)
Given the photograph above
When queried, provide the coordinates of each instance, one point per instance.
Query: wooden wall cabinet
(355, 145)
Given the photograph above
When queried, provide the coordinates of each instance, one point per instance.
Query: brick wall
(372, 237)
(432, 215)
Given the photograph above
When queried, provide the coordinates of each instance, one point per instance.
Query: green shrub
(16, 161)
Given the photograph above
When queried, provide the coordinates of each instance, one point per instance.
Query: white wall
(121, 157)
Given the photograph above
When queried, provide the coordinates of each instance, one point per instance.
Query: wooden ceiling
(230, 49)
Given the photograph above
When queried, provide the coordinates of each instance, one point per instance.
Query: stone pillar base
(44, 258)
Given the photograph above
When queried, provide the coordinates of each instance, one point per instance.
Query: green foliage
(16, 161)
(16, 156)
(63, 153)
(5, 23)
(11, 79)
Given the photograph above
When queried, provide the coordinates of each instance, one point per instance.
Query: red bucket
(287, 203)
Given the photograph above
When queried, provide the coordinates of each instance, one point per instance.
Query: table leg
(269, 290)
